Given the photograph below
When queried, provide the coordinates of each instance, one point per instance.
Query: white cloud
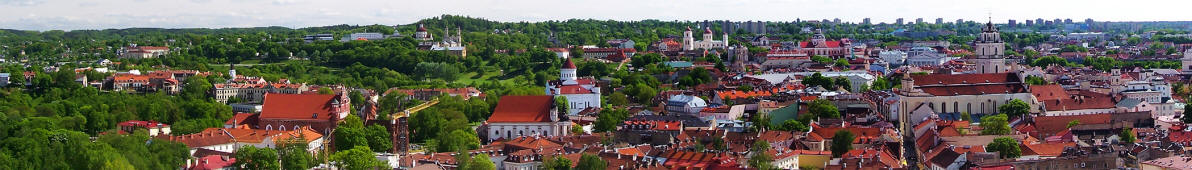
(99, 14)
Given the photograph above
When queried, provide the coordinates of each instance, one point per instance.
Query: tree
(294, 156)
(1127, 135)
(378, 138)
(196, 88)
(325, 90)
(359, 158)
(794, 125)
(821, 59)
(561, 104)
(617, 99)
(843, 83)
(1006, 147)
(818, 79)
(557, 163)
(350, 134)
(1032, 80)
(481, 162)
(577, 129)
(1073, 123)
(459, 140)
(842, 142)
(591, 162)
(1049, 60)
(965, 116)
(841, 62)
(1187, 118)
(823, 108)
(758, 158)
(251, 157)
(995, 125)
(1015, 108)
(608, 119)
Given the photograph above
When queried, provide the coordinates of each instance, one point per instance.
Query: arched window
(268, 127)
(956, 107)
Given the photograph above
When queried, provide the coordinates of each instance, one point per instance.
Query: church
(518, 116)
(452, 44)
(689, 42)
(819, 45)
(991, 51)
(581, 93)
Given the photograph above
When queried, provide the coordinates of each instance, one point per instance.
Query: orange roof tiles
(299, 106)
(513, 109)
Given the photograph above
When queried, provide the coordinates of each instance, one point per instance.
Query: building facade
(689, 42)
(518, 116)
(581, 93)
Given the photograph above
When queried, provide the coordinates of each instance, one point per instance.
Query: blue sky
(103, 14)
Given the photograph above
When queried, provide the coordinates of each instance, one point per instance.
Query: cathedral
(689, 42)
(990, 51)
(581, 92)
(452, 44)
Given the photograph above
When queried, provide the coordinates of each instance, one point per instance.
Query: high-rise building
(939, 20)
(837, 20)
(1012, 23)
(918, 20)
(959, 21)
(1039, 21)
(1058, 21)
(1030, 22)
(865, 21)
(990, 51)
(898, 21)
(1068, 21)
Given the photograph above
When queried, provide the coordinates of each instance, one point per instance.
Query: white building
(856, 78)
(689, 42)
(517, 116)
(366, 36)
(977, 94)
(893, 57)
(581, 93)
(990, 49)
(923, 56)
(685, 104)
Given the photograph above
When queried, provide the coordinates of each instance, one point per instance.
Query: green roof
(678, 64)
(785, 113)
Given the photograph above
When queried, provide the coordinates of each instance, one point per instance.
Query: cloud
(21, 2)
(284, 2)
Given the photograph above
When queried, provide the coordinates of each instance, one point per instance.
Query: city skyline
(94, 14)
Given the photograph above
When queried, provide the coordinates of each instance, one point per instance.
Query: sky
(104, 14)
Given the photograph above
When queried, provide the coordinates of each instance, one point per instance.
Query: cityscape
(517, 91)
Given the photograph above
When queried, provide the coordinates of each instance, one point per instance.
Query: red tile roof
(213, 162)
(1050, 125)
(973, 89)
(567, 64)
(1084, 100)
(1048, 92)
(514, 109)
(1045, 149)
(299, 106)
(963, 79)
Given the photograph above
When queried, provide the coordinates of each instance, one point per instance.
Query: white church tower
(1186, 68)
(688, 40)
(567, 72)
(990, 51)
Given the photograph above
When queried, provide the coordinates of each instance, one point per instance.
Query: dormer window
(314, 115)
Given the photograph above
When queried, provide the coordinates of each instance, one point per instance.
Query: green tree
(842, 142)
(378, 138)
(1127, 135)
(459, 140)
(350, 134)
(617, 99)
(758, 158)
(843, 83)
(1006, 147)
(359, 158)
(608, 119)
(561, 104)
(823, 108)
(818, 79)
(1073, 123)
(1015, 108)
(1032, 80)
(252, 157)
(841, 62)
(481, 162)
(1187, 118)
(557, 163)
(325, 90)
(591, 162)
(821, 59)
(196, 88)
(995, 125)
(794, 125)
(965, 116)
(294, 155)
